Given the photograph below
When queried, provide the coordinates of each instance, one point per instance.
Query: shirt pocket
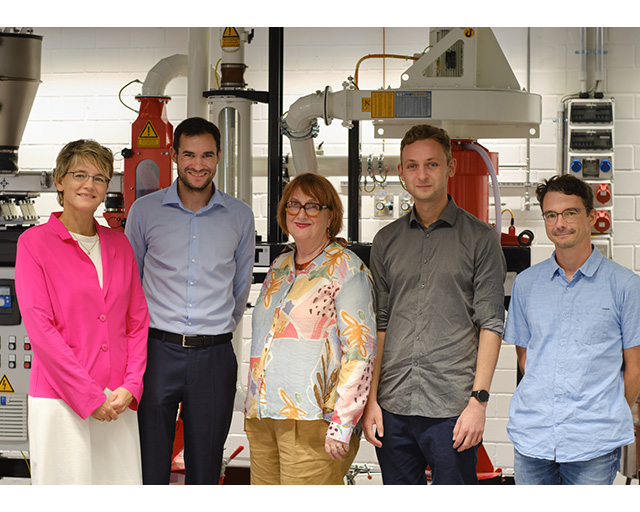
(595, 323)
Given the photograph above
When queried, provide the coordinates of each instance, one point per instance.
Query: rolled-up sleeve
(489, 277)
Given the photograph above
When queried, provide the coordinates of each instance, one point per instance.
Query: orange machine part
(149, 167)
(469, 187)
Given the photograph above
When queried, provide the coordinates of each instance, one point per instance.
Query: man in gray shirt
(439, 276)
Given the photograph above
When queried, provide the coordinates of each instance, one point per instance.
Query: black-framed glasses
(83, 177)
(311, 209)
(570, 215)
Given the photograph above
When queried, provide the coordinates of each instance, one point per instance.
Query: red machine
(469, 187)
(147, 165)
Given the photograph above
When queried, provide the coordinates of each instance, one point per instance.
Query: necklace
(88, 251)
(302, 266)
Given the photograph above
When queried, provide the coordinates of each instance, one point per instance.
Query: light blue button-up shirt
(195, 267)
(570, 404)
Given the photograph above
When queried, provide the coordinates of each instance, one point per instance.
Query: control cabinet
(16, 358)
(589, 149)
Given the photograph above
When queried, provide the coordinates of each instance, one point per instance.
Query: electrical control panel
(16, 358)
(589, 150)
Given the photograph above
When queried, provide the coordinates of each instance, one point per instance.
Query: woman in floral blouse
(313, 346)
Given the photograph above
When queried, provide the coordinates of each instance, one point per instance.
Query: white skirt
(65, 449)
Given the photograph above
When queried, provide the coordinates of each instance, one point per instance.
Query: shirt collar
(448, 215)
(56, 224)
(588, 268)
(172, 197)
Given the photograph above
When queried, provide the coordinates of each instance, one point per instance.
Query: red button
(27, 364)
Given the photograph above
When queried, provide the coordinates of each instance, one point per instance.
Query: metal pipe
(162, 73)
(198, 72)
(582, 74)
(599, 75)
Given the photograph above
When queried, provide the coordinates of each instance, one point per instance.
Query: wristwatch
(481, 395)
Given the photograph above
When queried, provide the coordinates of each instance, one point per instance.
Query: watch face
(482, 395)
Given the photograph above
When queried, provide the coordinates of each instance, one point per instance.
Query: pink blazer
(84, 338)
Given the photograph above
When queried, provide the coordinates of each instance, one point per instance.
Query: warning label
(5, 385)
(382, 104)
(230, 38)
(148, 138)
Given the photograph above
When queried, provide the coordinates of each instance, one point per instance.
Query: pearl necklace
(88, 251)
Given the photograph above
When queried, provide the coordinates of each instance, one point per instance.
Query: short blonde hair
(83, 149)
(319, 188)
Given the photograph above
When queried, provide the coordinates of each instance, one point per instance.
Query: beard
(184, 180)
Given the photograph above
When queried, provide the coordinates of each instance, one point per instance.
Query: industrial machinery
(20, 55)
(462, 83)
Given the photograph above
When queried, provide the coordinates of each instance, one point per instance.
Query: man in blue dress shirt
(195, 250)
(575, 321)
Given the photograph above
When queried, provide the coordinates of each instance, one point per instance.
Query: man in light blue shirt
(575, 321)
(195, 250)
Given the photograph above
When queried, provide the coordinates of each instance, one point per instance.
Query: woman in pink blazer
(82, 304)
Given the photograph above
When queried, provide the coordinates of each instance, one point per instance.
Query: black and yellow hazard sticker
(148, 137)
(5, 385)
(469, 32)
(230, 38)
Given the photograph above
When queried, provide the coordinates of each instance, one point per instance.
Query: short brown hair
(83, 149)
(569, 185)
(425, 131)
(319, 188)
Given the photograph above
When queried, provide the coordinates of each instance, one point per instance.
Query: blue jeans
(599, 471)
(411, 443)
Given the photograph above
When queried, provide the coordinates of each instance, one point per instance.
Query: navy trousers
(411, 443)
(204, 380)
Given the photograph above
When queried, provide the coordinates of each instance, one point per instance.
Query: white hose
(494, 181)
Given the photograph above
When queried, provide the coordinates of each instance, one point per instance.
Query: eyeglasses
(570, 215)
(83, 177)
(311, 209)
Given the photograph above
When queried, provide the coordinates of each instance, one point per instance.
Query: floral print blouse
(313, 341)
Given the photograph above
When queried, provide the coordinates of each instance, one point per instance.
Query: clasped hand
(114, 405)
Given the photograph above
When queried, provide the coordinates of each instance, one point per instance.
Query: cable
(120, 94)
(26, 461)
(380, 56)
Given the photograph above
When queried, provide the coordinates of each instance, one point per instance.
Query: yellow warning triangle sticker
(230, 38)
(148, 138)
(149, 132)
(5, 385)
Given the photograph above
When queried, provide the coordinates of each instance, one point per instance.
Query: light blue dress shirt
(570, 404)
(195, 267)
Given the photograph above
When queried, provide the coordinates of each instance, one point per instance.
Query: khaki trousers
(291, 452)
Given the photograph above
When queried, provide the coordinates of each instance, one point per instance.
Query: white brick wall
(84, 68)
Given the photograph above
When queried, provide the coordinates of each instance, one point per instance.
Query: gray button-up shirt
(436, 288)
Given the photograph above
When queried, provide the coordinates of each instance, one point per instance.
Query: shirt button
(193, 261)
(104, 347)
(422, 286)
(194, 237)
(102, 318)
(424, 260)
(191, 283)
(190, 305)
